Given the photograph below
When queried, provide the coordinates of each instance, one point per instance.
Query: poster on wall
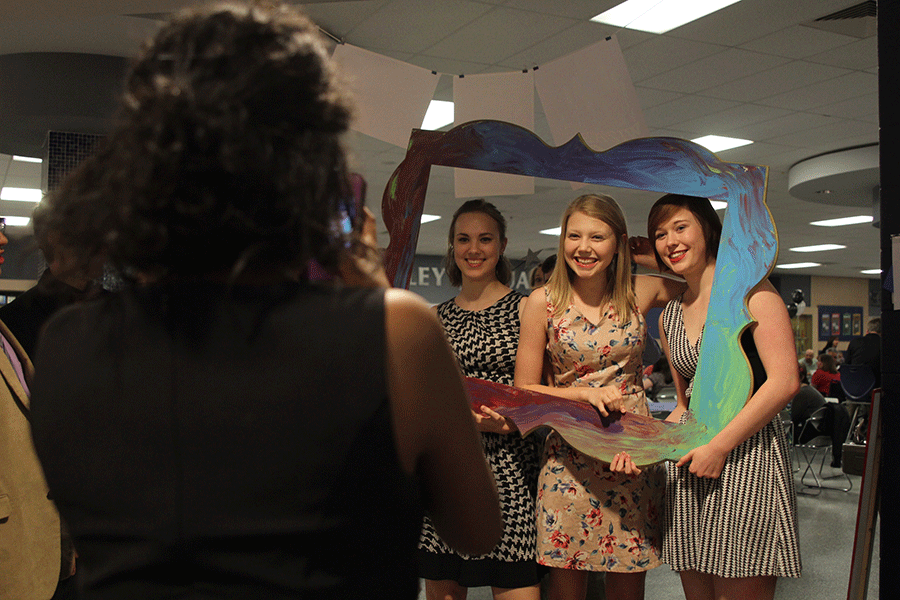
(845, 322)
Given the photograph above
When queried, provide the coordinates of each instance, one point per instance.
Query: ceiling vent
(856, 21)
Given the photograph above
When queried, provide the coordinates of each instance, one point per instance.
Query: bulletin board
(842, 321)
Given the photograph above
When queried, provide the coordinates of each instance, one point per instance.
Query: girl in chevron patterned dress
(589, 319)
(731, 517)
(482, 326)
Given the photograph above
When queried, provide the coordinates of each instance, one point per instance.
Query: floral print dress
(590, 518)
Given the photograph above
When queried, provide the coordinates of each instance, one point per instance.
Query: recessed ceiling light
(659, 16)
(21, 194)
(30, 159)
(819, 248)
(439, 113)
(718, 204)
(871, 272)
(718, 143)
(16, 221)
(429, 218)
(844, 221)
(552, 231)
(805, 265)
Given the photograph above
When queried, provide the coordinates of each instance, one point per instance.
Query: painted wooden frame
(747, 251)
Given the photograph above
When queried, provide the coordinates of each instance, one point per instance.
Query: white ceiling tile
(768, 131)
(863, 108)
(714, 70)
(839, 133)
(650, 97)
(554, 46)
(686, 108)
(726, 121)
(859, 55)
(417, 20)
(808, 97)
(664, 53)
(497, 34)
(797, 42)
(782, 78)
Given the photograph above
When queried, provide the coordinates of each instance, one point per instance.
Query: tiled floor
(827, 523)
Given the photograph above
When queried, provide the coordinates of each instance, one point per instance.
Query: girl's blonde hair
(620, 287)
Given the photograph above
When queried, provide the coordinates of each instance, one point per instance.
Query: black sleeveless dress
(207, 441)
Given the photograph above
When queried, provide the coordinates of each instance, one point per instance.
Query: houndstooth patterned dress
(743, 524)
(485, 344)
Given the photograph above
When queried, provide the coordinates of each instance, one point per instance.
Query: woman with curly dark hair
(224, 427)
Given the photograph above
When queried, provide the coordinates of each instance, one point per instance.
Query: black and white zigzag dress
(744, 523)
(485, 343)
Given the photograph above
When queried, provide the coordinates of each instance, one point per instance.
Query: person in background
(589, 317)
(62, 283)
(808, 363)
(837, 355)
(746, 467)
(831, 343)
(482, 325)
(223, 427)
(826, 373)
(30, 543)
(835, 421)
(536, 279)
(547, 266)
(866, 350)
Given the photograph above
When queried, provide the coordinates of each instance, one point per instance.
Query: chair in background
(810, 442)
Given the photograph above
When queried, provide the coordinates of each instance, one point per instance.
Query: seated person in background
(825, 374)
(837, 355)
(835, 422)
(223, 428)
(808, 363)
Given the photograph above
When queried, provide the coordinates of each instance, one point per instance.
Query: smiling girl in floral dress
(590, 320)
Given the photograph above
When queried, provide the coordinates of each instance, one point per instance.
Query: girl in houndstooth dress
(482, 326)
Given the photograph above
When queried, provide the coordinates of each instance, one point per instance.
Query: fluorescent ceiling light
(819, 248)
(871, 272)
(429, 218)
(16, 221)
(553, 231)
(844, 221)
(21, 194)
(718, 143)
(659, 16)
(27, 159)
(799, 265)
(439, 113)
(718, 204)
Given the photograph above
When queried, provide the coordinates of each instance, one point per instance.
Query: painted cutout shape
(747, 252)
